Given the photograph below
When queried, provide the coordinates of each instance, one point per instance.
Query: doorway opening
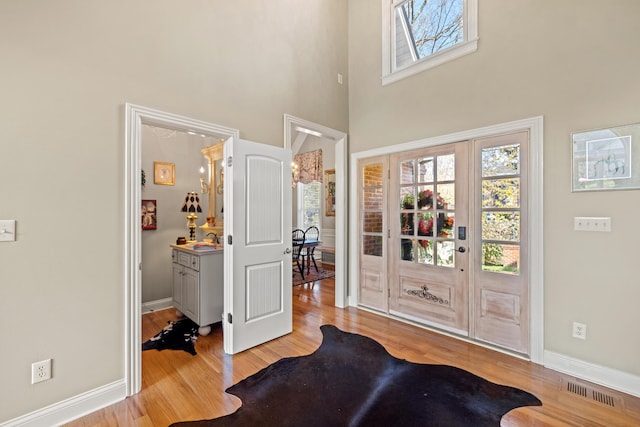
(135, 117)
(300, 136)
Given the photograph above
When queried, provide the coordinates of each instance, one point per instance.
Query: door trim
(135, 117)
(534, 126)
(290, 125)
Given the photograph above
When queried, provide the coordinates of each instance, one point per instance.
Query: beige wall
(575, 63)
(66, 70)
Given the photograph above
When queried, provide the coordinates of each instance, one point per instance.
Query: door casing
(292, 123)
(135, 117)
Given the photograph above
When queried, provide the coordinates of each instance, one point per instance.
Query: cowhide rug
(351, 380)
(178, 335)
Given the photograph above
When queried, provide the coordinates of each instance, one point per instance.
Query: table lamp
(192, 205)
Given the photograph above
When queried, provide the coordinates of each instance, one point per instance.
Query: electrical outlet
(579, 330)
(40, 371)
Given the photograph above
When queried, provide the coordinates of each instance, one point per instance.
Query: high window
(421, 34)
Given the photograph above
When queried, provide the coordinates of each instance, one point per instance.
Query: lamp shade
(191, 203)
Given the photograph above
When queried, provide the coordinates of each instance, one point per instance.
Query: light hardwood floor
(179, 387)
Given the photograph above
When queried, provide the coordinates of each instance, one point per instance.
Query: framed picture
(606, 159)
(330, 192)
(149, 212)
(163, 173)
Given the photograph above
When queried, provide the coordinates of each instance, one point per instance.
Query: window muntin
(372, 209)
(427, 210)
(421, 34)
(500, 209)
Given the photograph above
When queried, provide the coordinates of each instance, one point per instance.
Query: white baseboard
(617, 380)
(72, 408)
(159, 304)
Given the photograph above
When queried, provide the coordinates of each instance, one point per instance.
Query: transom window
(420, 34)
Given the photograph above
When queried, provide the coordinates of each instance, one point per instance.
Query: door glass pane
(501, 193)
(446, 224)
(503, 226)
(446, 253)
(425, 224)
(447, 196)
(407, 197)
(372, 175)
(501, 258)
(503, 160)
(406, 224)
(406, 172)
(372, 222)
(425, 252)
(373, 198)
(447, 167)
(406, 249)
(425, 197)
(372, 245)
(425, 169)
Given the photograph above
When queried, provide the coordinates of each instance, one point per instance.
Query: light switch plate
(7, 230)
(589, 223)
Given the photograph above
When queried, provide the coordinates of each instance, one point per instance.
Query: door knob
(287, 251)
(461, 249)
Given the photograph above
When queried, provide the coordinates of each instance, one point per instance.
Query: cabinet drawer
(184, 259)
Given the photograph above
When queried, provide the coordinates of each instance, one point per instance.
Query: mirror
(215, 187)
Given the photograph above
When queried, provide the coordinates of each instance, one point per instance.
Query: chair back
(312, 233)
(297, 242)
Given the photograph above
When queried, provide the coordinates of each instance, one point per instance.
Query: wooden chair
(312, 233)
(297, 242)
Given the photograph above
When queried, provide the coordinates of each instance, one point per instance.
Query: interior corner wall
(68, 69)
(573, 62)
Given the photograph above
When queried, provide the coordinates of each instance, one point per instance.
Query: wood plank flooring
(177, 386)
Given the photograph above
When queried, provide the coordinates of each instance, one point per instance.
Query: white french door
(500, 287)
(257, 252)
(448, 225)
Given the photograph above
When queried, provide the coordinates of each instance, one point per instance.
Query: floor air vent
(598, 396)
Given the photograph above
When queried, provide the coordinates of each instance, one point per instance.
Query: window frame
(391, 74)
(300, 208)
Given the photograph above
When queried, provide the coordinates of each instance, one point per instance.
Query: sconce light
(295, 174)
(191, 205)
(220, 186)
(204, 187)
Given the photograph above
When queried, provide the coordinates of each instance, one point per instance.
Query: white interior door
(257, 254)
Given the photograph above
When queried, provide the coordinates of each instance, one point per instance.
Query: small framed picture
(330, 190)
(163, 173)
(606, 159)
(149, 212)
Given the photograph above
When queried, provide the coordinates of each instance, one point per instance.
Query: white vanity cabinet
(198, 284)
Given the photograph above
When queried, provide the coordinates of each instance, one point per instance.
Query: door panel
(372, 195)
(500, 285)
(257, 282)
(427, 201)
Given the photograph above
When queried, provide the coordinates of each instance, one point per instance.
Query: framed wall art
(163, 173)
(330, 192)
(606, 159)
(149, 215)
